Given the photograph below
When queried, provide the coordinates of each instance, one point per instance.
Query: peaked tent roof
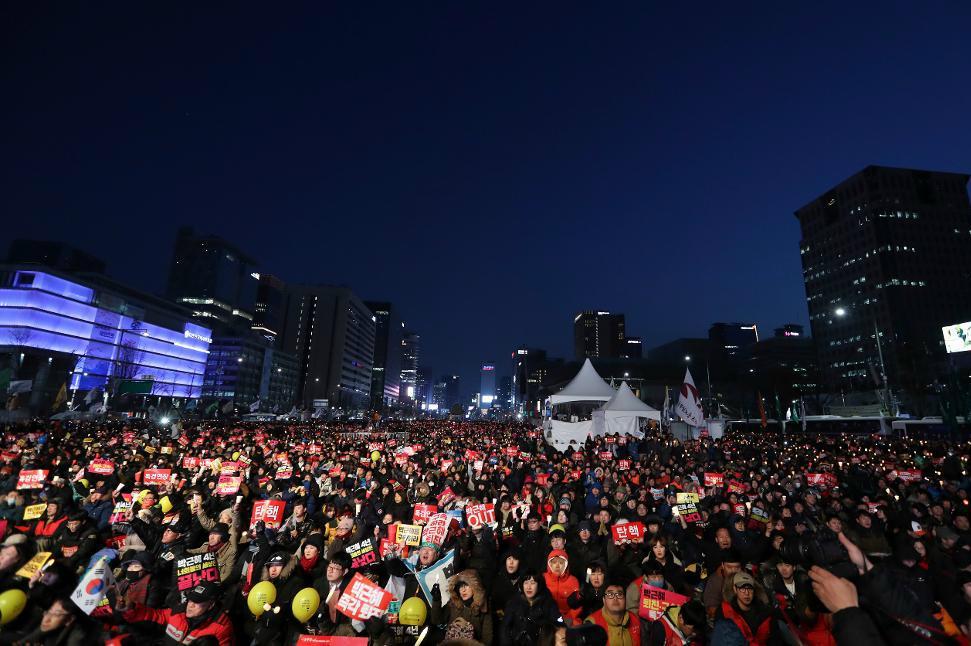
(625, 401)
(588, 385)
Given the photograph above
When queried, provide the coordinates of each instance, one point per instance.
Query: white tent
(620, 415)
(588, 385)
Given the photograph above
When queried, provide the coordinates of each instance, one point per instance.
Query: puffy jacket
(522, 622)
(562, 586)
(476, 613)
(177, 630)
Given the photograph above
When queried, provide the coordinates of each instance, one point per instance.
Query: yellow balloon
(166, 504)
(375, 456)
(12, 603)
(305, 604)
(413, 612)
(262, 593)
(235, 455)
(85, 482)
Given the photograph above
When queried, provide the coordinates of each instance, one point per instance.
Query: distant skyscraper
(386, 373)
(423, 386)
(213, 278)
(453, 394)
(487, 385)
(731, 337)
(269, 311)
(331, 332)
(504, 398)
(410, 355)
(886, 254)
(598, 334)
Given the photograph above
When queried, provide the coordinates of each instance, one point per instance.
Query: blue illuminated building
(93, 333)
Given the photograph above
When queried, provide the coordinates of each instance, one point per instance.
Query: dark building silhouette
(214, 278)
(886, 254)
(386, 373)
(598, 334)
(56, 255)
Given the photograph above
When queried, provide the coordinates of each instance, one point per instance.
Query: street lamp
(687, 358)
(840, 312)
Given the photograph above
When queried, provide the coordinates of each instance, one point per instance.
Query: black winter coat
(523, 622)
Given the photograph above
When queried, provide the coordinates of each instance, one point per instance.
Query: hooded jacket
(475, 612)
(562, 586)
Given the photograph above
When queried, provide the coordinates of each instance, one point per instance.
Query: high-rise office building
(423, 386)
(504, 397)
(886, 263)
(246, 370)
(487, 385)
(453, 393)
(732, 337)
(633, 348)
(386, 373)
(410, 354)
(331, 333)
(213, 278)
(270, 309)
(598, 334)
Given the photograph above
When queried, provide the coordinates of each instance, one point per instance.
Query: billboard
(957, 338)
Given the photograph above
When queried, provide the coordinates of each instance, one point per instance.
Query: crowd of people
(477, 533)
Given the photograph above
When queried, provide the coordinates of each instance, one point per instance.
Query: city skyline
(379, 163)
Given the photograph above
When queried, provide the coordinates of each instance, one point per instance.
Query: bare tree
(128, 363)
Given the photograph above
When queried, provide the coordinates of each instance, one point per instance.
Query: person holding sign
(622, 626)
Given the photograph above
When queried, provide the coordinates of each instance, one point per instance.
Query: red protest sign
(907, 475)
(362, 554)
(268, 511)
(606, 455)
(362, 599)
(327, 640)
(512, 451)
(32, 479)
(714, 479)
(436, 530)
(578, 456)
(228, 485)
(156, 477)
(478, 515)
(825, 480)
(284, 473)
(610, 439)
(424, 512)
(627, 532)
(101, 467)
(654, 601)
(191, 463)
(623, 465)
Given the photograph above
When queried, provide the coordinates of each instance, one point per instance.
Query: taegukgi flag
(689, 402)
(93, 586)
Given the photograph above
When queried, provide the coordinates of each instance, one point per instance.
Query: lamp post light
(840, 312)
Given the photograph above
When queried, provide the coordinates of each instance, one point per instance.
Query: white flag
(689, 402)
(255, 406)
(93, 586)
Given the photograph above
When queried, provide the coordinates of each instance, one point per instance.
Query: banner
(479, 515)
(93, 587)
(33, 512)
(156, 477)
(326, 640)
(436, 530)
(32, 479)
(362, 599)
(284, 473)
(688, 511)
(424, 512)
(102, 467)
(228, 485)
(654, 601)
(33, 566)
(627, 532)
(268, 511)
(714, 479)
(409, 535)
(623, 465)
(120, 512)
(362, 554)
(192, 570)
(684, 497)
(439, 573)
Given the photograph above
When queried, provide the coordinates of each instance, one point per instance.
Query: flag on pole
(93, 586)
(765, 421)
(61, 397)
(689, 402)
(255, 406)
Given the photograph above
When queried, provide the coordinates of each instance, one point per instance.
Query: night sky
(491, 169)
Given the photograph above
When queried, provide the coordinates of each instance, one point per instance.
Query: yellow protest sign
(166, 450)
(685, 498)
(33, 512)
(34, 565)
(409, 535)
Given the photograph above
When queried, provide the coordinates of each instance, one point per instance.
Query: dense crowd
(477, 533)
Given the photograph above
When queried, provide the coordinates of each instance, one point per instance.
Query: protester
(196, 532)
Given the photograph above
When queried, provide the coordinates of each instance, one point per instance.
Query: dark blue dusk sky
(491, 168)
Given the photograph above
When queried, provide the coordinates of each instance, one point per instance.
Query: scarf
(308, 564)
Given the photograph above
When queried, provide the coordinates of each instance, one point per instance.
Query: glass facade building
(112, 335)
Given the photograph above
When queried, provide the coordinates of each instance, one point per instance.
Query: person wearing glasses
(624, 628)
